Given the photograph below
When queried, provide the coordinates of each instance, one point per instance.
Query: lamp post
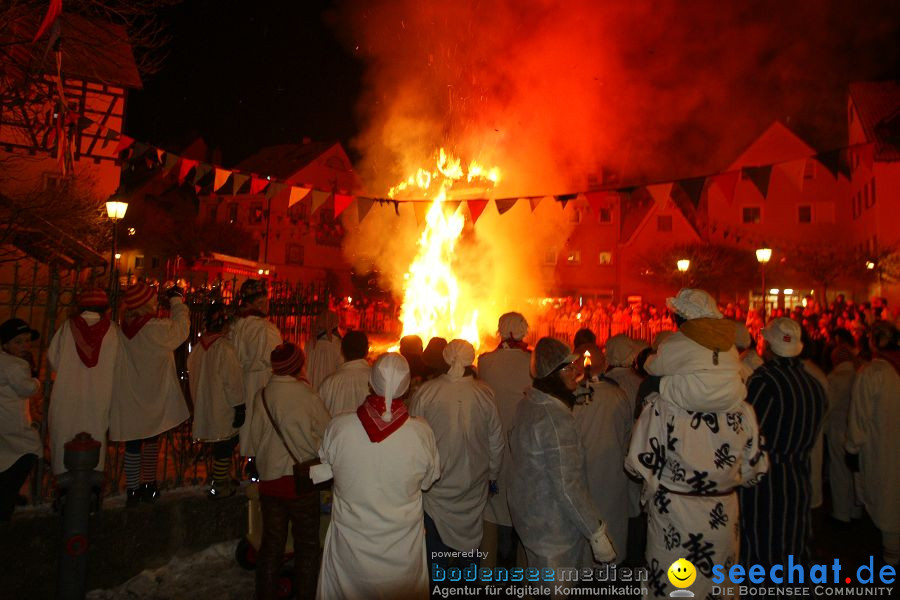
(683, 265)
(763, 255)
(115, 210)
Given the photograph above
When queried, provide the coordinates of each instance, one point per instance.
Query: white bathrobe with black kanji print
(693, 445)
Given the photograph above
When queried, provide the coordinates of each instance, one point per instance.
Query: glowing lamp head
(763, 255)
(587, 358)
(870, 265)
(115, 209)
(684, 264)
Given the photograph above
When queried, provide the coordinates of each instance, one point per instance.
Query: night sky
(684, 86)
(245, 75)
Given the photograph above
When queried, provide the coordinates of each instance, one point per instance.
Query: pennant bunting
(421, 210)
(238, 183)
(449, 207)
(504, 204)
(274, 189)
(534, 201)
(125, 142)
(318, 198)
(200, 174)
(795, 171)
(341, 202)
(299, 193)
(727, 183)
(186, 165)
(257, 185)
(660, 193)
(476, 207)
(221, 178)
(363, 206)
(760, 177)
(693, 187)
(169, 163)
(835, 161)
(564, 199)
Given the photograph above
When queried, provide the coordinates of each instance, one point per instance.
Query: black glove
(175, 291)
(240, 415)
(852, 461)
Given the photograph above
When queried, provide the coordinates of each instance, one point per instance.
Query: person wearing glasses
(549, 502)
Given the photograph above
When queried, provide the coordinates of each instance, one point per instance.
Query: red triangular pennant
(221, 178)
(341, 202)
(476, 207)
(727, 183)
(186, 165)
(257, 185)
(125, 142)
(363, 206)
(534, 201)
(504, 204)
(298, 194)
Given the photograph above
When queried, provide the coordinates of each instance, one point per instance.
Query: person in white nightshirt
(872, 435)
(345, 389)
(461, 412)
(148, 400)
(83, 352)
(217, 391)
(323, 350)
(382, 460)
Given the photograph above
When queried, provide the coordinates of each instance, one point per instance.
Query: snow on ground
(210, 573)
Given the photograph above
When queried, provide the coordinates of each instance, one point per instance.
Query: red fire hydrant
(81, 456)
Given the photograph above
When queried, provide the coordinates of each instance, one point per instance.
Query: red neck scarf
(370, 411)
(88, 338)
(514, 343)
(131, 327)
(207, 340)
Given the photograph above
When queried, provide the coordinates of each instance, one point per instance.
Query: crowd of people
(709, 443)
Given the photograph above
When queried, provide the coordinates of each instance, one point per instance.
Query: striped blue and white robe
(775, 515)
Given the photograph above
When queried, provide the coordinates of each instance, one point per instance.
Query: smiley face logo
(682, 573)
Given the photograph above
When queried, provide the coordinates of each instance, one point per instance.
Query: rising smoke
(551, 91)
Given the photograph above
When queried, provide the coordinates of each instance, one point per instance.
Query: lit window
(604, 215)
(804, 214)
(752, 214)
(573, 257)
(138, 262)
(605, 257)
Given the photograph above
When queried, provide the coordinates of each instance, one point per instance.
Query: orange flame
(434, 302)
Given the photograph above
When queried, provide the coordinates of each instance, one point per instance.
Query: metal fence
(44, 296)
(602, 326)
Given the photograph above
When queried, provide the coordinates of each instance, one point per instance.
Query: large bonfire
(434, 302)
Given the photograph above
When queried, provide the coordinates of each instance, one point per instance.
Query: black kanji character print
(670, 439)
(655, 460)
(735, 421)
(723, 457)
(700, 553)
(717, 516)
(700, 484)
(711, 420)
(676, 469)
(671, 537)
(656, 578)
(661, 501)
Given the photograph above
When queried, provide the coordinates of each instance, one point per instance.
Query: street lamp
(683, 265)
(763, 255)
(115, 210)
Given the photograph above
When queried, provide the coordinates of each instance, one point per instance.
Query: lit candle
(587, 359)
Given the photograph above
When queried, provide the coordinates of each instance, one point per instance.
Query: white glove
(602, 546)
